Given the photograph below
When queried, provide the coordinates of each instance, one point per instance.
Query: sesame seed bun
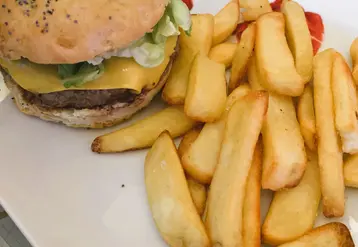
(72, 31)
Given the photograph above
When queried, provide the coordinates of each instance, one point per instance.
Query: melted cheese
(119, 73)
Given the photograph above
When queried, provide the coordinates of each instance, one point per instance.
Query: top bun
(72, 31)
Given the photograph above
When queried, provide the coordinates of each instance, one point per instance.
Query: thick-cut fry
(225, 22)
(329, 151)
(354, 56)
(206, 95)
(198, 194)
(253, 9)
(187, 140)
(251, 214)
(274, 58)
(284, 158)
(169, 198)
(174, 91)
(199, 41)
(253, 75)
(143, 133)
(223, 53)
(293, 212)
(330, 235)
(351, 171)
(224, 219)
(202, 157)
(345, 104)
(242, 56)
(307, 119)
(299, 38)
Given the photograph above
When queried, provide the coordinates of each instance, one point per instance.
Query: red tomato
(316, 27)
(189, 3)
(276, 5)
(240, 29)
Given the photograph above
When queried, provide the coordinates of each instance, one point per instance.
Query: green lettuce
(73, 75)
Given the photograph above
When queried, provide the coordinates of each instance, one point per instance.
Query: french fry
(354, 56)
(224, 219)
(299, 38)
(351, 171)
(143, 133)
(306, 118)
(202, 156)
(223, 53)
(333, 234)
(174, 91)
(242, 56)
(279, 74)
(169, 198)
(292, 212)
(188, 140)
(345, 104)
(253, 9)
(206, 95)
(284, 160)
(251, 212)
(198, 194)
(225, 22)
(253, 75)
(199, 41)
(329, 151)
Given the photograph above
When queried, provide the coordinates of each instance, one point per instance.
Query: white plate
(61, 194)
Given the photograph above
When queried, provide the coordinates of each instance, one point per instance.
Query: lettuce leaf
(77, 74)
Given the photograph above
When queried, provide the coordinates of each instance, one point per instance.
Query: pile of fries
(285, 125)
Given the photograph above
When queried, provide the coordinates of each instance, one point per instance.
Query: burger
(87, 63)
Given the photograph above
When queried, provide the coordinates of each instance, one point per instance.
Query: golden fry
(206, 95)
(143, 133)
(298, 205)
(242, 56)
(307, 119)
(274, 59)
(224, 218)
(299, 38)
(169, 198)
(329, 151)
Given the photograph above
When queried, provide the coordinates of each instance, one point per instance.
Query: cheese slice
(119, 73)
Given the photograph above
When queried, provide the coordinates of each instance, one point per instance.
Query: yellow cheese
(119, 73)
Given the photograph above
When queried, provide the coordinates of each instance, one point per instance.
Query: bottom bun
(100, 117)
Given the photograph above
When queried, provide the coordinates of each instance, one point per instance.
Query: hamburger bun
(99, 117)
(72, 31)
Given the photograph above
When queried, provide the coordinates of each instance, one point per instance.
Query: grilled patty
(79, 99)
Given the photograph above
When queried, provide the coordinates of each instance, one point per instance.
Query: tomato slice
(276, 5)
(316, 27)
(189, 3)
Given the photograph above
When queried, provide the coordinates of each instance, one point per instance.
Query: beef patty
(79, 99)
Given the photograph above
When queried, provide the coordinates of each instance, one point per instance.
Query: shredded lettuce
(149, 52)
